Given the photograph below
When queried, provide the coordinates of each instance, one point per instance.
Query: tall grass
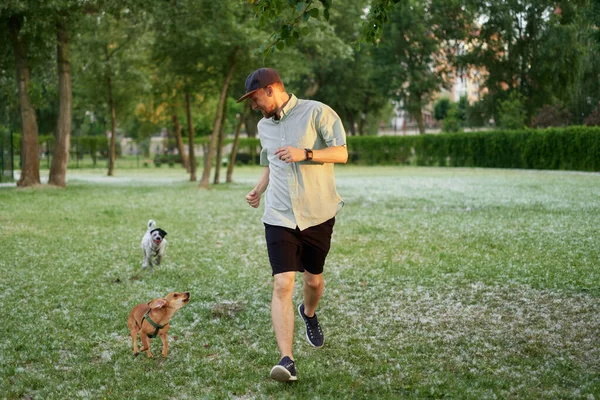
(454, 283)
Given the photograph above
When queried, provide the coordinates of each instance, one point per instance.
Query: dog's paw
(135, 355)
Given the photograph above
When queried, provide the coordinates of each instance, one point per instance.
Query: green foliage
(462, 107)
(512, 113)
(376, 19)
(440, 109)
(572, 148)
(291, 15)
(477, 114)
(452, 122)
(417, 51)
(294, 15)
(536, 47)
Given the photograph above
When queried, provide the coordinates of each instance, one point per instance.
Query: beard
(268, 114)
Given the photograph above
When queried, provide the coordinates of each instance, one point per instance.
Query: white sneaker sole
(279, 373)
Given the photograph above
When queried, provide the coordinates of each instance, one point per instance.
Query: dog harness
(154, 324)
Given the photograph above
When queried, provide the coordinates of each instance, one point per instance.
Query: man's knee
(283, 285)
(313, 281)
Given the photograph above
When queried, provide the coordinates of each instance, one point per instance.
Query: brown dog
(152, 319)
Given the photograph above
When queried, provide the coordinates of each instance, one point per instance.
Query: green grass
(456, 283)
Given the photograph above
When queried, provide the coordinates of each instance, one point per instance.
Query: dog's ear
(158, 303)
(161, 232)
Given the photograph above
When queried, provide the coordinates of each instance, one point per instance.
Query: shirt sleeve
(329, 126)
(264, 159)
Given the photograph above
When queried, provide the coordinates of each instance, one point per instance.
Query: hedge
(79, 144)
(571, 148)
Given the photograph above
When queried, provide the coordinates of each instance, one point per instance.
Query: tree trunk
(60, 159)
(251, 120)
(419, 117)
(180, 145)
(351, 123)
(113, 119)
(113, 129)
(30, 165)
(236, 143)
(361, 124)
(188, 112)
(220, 145)
(213, 140)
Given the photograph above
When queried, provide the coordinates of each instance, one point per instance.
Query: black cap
(261, 78)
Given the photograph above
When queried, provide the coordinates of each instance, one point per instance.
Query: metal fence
(7, 165)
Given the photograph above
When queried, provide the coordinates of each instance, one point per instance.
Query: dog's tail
(151, 224)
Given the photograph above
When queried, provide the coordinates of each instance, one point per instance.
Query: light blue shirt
(301, 194)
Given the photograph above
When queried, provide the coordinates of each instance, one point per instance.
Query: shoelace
(314, 324)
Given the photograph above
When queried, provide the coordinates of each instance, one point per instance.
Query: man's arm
(333, 154)
(253, 197)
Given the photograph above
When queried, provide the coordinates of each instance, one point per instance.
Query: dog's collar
(154, 324)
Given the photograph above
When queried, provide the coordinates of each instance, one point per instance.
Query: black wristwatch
(309, 154)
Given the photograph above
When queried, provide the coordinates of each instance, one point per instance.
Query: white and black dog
(154, 245)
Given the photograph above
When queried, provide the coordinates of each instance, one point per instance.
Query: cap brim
(244, 97)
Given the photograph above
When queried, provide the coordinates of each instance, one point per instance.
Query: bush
(440, 109)
(512, 113)
(452, 122)
(170, 159)
(551, 115)
(594, 118)
(476, 114)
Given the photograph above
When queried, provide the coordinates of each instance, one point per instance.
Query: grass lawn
(457, 283)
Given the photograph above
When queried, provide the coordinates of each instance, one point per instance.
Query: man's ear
(158, 303)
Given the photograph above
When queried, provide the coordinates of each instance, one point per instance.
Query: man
(301, 140)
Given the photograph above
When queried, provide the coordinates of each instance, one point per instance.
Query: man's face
(264, 101)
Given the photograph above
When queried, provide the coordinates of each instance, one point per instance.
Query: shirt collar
(287, 108)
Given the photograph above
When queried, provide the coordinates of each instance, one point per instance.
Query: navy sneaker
(285, 371)
(314, 334)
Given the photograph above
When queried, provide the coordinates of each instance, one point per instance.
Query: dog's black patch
(161, 232)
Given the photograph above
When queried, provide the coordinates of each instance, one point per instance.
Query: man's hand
(253, 198)
(290, 154)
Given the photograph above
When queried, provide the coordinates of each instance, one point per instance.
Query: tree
(532, 46)
(236, 142)
(345, 77)
(111, 52)
(204, 181)
(16, 23)
(60, 160)
(418, 49)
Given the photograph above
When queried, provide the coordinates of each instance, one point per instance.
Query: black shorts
(296, 250)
